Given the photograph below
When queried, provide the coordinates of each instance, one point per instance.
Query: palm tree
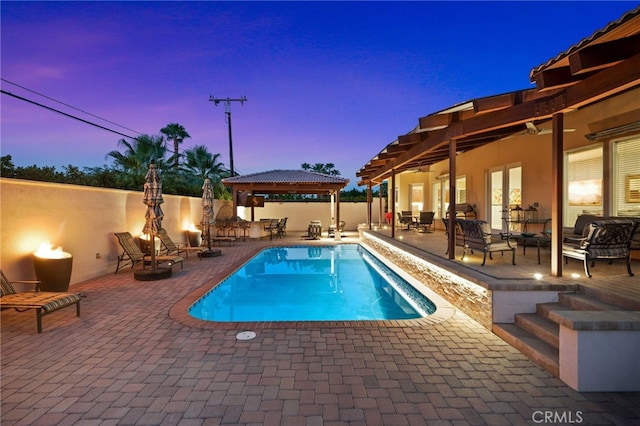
(134, 160)
(202, 164)
(177, 134)
(327, 169)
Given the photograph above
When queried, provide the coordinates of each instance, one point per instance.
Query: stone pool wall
(472, 299)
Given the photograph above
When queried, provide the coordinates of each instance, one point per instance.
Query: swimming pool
(312, 283)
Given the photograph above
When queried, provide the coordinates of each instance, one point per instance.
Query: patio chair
(331, 232)
(605, 239)
(477, 236)
(132, 254)
(580, 227)
(425, 221)
(271, 227)
(282, 227)
(171, 248)
(43, 302)
(405, 218)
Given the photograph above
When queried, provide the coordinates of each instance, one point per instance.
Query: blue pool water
(312, 283)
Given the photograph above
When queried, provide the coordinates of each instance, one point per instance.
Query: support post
(557, 179)
(452, 200)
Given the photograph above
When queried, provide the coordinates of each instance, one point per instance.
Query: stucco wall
(82, 221)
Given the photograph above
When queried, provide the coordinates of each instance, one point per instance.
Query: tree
(177, 134)
(134, 161)
(202, 164)
(327, 169)
(8, 169)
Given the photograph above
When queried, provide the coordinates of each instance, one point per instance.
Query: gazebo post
(234, 196)
(338, 231)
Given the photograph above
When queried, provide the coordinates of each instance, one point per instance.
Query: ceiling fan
(532, 129)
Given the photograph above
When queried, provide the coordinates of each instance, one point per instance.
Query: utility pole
(227, 110)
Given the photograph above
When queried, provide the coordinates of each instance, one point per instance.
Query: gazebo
(285, 182)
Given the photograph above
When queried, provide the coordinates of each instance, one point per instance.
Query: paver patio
(125, 361)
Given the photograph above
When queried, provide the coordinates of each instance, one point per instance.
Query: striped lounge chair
(171, 248)
(44, 302)
(132, 254)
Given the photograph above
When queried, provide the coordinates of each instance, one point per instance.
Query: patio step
(583, 302)
(530, 345)
(543, 328)
(537, 336)
(628, 302)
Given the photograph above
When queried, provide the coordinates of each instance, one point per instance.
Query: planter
(53, 273)
(194, 238)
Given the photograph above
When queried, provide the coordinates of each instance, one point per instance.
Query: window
(626, 177)
(436, 201)
(584, 183)
(417, 197)
(440, 197)
(461, 189)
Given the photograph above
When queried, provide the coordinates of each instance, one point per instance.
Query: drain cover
(246, 335)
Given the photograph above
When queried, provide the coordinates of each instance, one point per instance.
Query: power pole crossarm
(227, 110)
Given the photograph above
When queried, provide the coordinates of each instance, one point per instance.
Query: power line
(66, 114)
(67, 105)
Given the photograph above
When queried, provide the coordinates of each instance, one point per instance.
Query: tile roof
(286, 177)
(593, 38)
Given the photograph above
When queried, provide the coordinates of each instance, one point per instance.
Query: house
(569, 146)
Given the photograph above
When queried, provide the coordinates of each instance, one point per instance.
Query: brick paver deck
(126, 361)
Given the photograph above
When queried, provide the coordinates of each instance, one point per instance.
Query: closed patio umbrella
(207, 210)
(152, 198)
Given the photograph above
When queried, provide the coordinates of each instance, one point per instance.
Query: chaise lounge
(132, 254)
(171, 248)
(43, 302)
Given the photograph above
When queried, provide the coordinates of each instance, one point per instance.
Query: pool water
(312, 283)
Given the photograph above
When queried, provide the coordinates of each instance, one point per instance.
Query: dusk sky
(326, 82)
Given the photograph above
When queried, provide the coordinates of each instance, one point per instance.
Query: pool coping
(179, 312)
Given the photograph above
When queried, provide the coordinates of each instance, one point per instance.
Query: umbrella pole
(152, 247)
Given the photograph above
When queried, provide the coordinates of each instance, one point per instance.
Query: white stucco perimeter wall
(82, 221)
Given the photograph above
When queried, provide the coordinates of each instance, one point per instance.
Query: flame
(192, 228)
(47, 251)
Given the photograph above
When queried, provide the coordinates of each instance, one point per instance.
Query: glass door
(505, 192)
(497, 206)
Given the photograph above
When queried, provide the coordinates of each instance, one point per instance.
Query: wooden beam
(435, 121)
(597, 86)
(493, 103)
(598, 56)
(555, 78)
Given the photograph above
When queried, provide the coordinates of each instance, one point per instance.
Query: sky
(325, 82)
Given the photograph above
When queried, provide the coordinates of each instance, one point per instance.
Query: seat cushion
(48, 301)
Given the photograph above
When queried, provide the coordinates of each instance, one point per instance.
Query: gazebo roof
(287, 182)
